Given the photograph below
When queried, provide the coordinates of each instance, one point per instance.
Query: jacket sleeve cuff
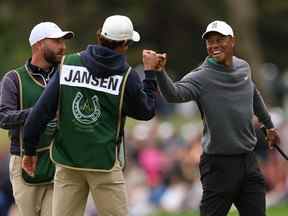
(150, 74)
(269, 124)
(30, 151)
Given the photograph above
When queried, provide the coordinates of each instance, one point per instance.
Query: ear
(38, 45)
(233, 41)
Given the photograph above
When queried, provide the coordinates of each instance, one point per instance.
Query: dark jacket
(139, 98)
(11, 117)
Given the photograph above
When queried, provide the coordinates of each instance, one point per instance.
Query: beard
(52, 57)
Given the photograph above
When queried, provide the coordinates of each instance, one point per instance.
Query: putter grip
(277, 147)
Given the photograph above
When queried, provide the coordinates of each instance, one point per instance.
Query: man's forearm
(178, 92)
(167, 87)
(11, 115)
(140, 98)
(261, 111)
(13, 118)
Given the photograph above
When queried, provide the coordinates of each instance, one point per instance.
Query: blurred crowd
(162, 172)
(162, 164)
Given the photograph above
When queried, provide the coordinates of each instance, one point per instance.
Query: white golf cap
(220, 27)
(48, 30)
(119, 28)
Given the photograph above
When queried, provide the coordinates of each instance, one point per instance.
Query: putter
(277, 147)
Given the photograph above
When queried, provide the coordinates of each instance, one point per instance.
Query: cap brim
(64, 34)
(204, 35)
(136, 36)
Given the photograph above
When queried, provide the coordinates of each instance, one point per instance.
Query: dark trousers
(231, 179)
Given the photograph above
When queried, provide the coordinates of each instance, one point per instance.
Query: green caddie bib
(30, 90)
(90, 120)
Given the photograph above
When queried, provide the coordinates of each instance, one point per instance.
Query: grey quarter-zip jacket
(227, 100)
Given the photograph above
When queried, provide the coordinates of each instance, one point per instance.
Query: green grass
(279, 210)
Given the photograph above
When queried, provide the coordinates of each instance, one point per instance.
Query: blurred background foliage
(168, 26)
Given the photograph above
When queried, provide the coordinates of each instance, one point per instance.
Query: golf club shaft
(277, 147)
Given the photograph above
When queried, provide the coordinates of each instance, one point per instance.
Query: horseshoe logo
(86, 112)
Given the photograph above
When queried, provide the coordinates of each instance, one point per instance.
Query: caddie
(21, 87)
(93, 93)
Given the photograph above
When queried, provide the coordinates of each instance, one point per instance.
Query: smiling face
(220, 47)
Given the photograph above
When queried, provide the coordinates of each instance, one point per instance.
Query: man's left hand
(29, 164)
(273, 137)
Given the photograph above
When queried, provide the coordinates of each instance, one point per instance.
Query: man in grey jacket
(227, 99)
